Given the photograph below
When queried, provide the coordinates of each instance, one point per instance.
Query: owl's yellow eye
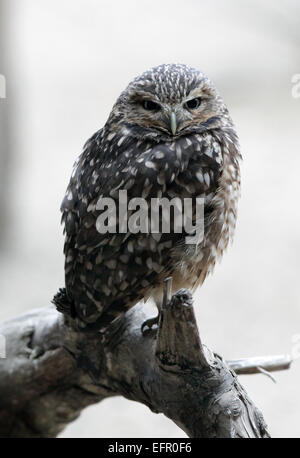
(193, 104)
(149, 105)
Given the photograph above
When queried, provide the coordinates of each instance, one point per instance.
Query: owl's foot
(148, 324)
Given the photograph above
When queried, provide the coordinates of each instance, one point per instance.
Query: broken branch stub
(178, 342)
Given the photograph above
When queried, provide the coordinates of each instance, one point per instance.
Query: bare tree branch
(52, 371)
(253, 365)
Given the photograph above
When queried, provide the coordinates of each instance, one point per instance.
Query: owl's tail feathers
(63, 303)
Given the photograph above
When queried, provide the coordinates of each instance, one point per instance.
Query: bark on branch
(52, 371)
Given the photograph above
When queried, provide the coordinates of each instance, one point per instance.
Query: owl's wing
(109, 272)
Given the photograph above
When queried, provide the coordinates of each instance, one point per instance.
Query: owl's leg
(161, 295)
(157, 297)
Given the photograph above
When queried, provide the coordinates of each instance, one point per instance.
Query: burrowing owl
(169, 135)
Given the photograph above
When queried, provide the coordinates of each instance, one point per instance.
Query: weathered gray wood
(52, 371)
(254, 364)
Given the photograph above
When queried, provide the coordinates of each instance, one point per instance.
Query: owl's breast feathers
(108, 273)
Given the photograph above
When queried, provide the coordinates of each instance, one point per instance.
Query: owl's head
(169, 101)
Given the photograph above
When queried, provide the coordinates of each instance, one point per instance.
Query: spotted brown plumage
(168, 135)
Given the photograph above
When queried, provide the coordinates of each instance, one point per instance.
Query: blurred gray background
(65, 63)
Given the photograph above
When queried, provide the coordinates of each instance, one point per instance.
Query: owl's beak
(173, 122)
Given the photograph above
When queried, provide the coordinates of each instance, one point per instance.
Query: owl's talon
(149, 324)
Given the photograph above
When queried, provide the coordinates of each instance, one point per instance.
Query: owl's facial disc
(171, 118)
(170, 101)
